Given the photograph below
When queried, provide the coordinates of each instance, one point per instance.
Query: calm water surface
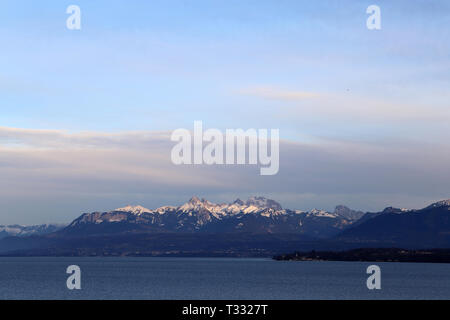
(217, 278)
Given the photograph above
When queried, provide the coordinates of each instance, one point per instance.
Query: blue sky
(310, 68)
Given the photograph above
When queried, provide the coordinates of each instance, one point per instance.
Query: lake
(217, 278)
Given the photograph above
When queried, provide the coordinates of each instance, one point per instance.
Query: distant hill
(424, 228)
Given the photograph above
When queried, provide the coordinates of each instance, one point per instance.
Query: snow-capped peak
(252, 205)
(134, 209)
(194, 200)
(195, 204)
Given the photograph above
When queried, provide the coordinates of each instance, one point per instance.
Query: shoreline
(371, 255)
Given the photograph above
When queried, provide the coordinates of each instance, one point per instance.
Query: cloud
(52, 175)
(277, 93)
(334, 111)
(369, 109)
(63, 139)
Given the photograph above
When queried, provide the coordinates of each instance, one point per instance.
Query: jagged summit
(263, 202)
(195, 199)
(253, 204)
(348, 213)
(196, 204)
(442, 203)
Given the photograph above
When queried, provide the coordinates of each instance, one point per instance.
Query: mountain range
(255, 215)
(255, 227)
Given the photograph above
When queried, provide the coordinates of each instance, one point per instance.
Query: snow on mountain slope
(253, 205)
(134, 209)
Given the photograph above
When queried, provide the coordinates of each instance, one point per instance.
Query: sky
(86, 115)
